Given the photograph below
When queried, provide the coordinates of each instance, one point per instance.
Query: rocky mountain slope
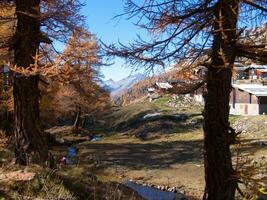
(118, 87)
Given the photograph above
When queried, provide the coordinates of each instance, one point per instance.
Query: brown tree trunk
(84, 120)
(219, 173)
(30, 145)
(77, 121)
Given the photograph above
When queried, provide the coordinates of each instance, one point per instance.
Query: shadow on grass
(97, 190)
(150, 156)
(251, 146)
(138, 156)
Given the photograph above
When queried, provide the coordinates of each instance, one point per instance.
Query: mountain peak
(118, 87)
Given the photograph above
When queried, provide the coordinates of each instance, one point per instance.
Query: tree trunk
(83, 123)
(219, 173)
(77, 121)
(30, 145)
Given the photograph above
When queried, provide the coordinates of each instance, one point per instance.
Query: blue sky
(100, 14)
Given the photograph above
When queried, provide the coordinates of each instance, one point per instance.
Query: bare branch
(255, 53)
(255, 5)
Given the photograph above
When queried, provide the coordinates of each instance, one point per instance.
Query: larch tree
(208, 33)
(30, 145)
(81, 94)
(36, 22)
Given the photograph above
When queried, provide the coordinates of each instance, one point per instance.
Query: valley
(156, 151)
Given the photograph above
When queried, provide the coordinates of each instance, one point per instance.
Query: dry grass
(68, 183)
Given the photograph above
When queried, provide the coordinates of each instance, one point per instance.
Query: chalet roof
(151, 89)
(252, 66)
(258, 66)
(164, 85)
(255, 89)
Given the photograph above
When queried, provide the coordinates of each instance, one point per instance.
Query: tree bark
(30, 145)
(219, 173)
(77, 121)
(84, 121)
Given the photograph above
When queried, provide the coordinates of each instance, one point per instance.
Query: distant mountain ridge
(118, 87)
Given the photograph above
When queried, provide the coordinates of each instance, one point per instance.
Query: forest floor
(156, 143)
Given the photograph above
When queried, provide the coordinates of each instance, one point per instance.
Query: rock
(151, 115)
(254, 162)
(182, 191)
(60, 140)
